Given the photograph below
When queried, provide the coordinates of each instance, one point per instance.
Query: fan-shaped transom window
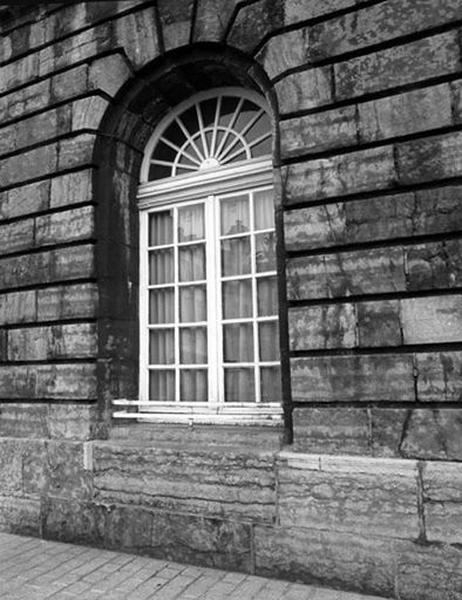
(209, 343)
(213, 129)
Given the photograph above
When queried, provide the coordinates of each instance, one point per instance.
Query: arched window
(209, 342)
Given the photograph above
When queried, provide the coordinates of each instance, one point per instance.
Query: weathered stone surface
(359, 171)
(331, 430)
(405, 114)
(18, 307)
(72, 421)
(66, 226)
(321, 131)
(17, 236)
(58, 382)
(73, 301)
(212, 19)
(328, 326)
(67, 263)
(301, 10)
(28, 165)
(434, 265)
(69, 83)
(304, 90)
(379, 323)
(137, 34)
(416, 61)
(439, 376)
(285, 51)
(387, 426)
(361, 378)
(20, 515)
(369, 496)
(432, 320)
(11, 466)
(430, 159)
(71, 188)
(76, 151)
(215, 483)
(23, 420)
(88, 112)
(431, 572)
(345, 274)
(52, 342)
(327, 558)
(108, 73)
(175, 18)
(253, 22)
(21, 102)
(24, 200)
(18, 72)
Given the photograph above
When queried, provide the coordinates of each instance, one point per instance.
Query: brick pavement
(34, 569)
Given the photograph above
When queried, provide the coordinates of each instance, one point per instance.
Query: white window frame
(245, 176)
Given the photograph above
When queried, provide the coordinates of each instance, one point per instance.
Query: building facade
(230, 281)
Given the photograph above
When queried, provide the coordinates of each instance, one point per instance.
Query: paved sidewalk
(34, 569)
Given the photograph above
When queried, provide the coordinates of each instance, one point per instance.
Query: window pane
(192, 262)
(191, 223)
(161, 228)
(265, 249)
(267, 296)
(193, 345)
(235, 215)
(161, 306)
(235, 256)
(193, 385)
(161, 347)
(161, 266)
(239, 385)
(270, 384)
(193, 304)
(264, 209)
(237, 299)
(162, 386)
(238, 342)
(269, 341)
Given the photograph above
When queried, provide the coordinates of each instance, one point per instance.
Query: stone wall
(368, 145)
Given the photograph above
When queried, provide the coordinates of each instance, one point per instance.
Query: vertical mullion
(219, 368)
(144, 303)
(212, 302)
(253, 267)
(176, 300)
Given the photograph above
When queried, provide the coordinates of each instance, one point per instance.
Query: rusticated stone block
(73, 521)
(387, 426)
(438, 210)
(11, 466)
(301, 10)
(17, 236)
(66, 226)
(88, 112)
(378, 323)
(326, 558)
(405, 114)
(76, 151)
(316, 327)
(430, 159)
(46, 267)
(53, 342)
(24, 200)
(108, 73)
(359, 171)
(71, 188)
(18, 72)
(321, 131)
(439, 376)
(436, 265)
(18, 307)
(285, 51)
(23, 420)
(73, 301)
(214, 483)
(57, 382)
(359, 495)
(72, 421)
(20, 515)
(345, 274)
(137, 34)
(28, 165)
(69, 83)
(175, 18)
(212, 19)
(416, 61)
(432, 320)
(305, 90)
(442, 490)
(331, 430)
(21, 102)
(456, 93)
(253, 22)
(431, 572)
(362, 378)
